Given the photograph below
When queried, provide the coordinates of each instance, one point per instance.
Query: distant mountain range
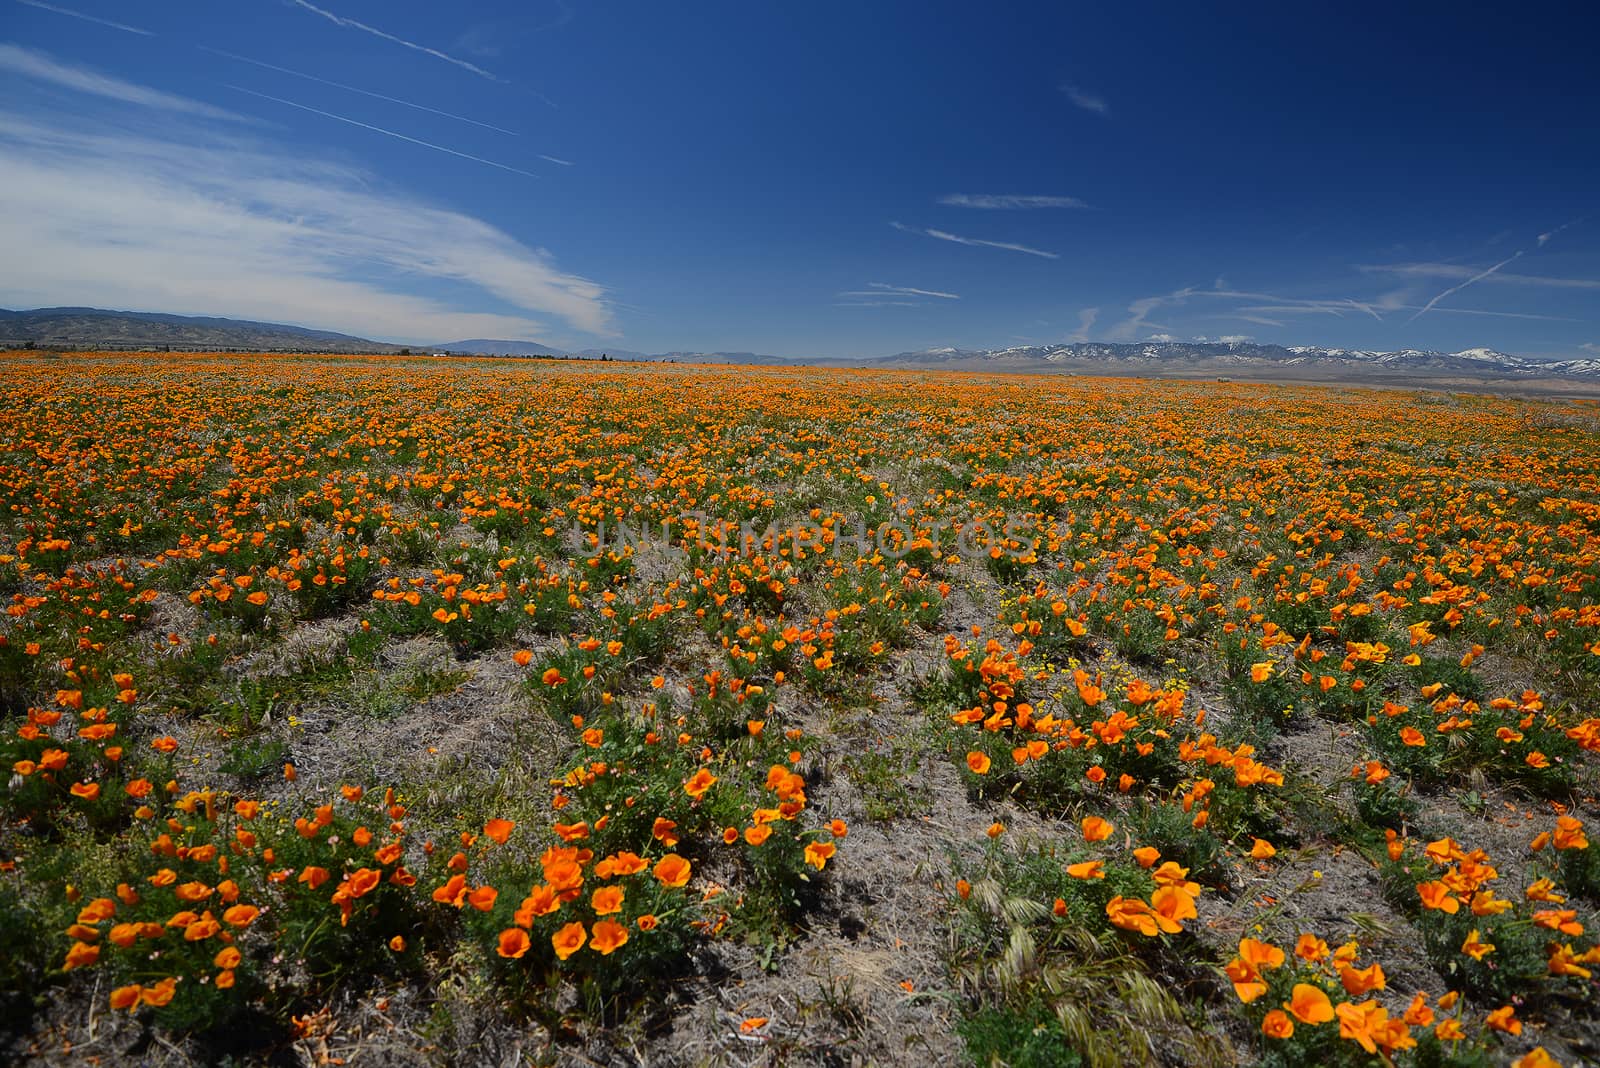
(96, 328)
(488, 347)
(1223, 357)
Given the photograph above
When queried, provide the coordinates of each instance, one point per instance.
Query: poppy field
(426, 711)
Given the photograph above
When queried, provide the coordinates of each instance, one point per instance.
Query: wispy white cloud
(40, 67)
(878, 303)
(1494, 314)
(1086, 100)
(1548, 234)
(1428, 307)
(1265, 306)
(1337, 310)
(1235, 339)
(202, 222)
(363, 92)
(86, 18)
(1008, 201)
(877, 289)
(1456, 270)
(1494, 272)
(944, 235)
(1086, 318)
(414, 46)
(493, 37)
(387, 133)
(1296, 305)
(556, 160)
(1139, 312)
(1590, 346)
(1161, 337)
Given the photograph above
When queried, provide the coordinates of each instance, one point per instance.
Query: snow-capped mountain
(1243, 355)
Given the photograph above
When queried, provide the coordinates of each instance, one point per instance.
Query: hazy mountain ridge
(491, 347)
(496, 347)
(94, 327)
(1245, 355)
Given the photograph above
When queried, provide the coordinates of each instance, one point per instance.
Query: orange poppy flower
(1310, 1004)
(161, 993)
(699, 783)
(672, 870)
(513, 943)
(81, 955)
(1475, 947)
(1132, 914)
(819, 853)
(607, 900)
(568, 940)
(1172, 905)
(1358, 981)
(608, 936)
(453, 892)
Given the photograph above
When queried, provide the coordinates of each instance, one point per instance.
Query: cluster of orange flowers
(1319, 985)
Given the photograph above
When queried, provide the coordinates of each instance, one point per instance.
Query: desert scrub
(1066, 947)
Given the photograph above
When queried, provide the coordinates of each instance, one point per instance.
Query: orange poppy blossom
(607, 900)
(672, 870)
(568, 940)
(1246, 969)
(1358, 981)
(1132, 914)
(1310, 1004)
(513, 942)
(542, 900)
(1504, 1019)
(699, 783)
(621, 863)
(1097, 829)
(817, 854)
(607, 937)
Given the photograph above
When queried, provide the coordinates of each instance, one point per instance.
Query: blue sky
(812, 180)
